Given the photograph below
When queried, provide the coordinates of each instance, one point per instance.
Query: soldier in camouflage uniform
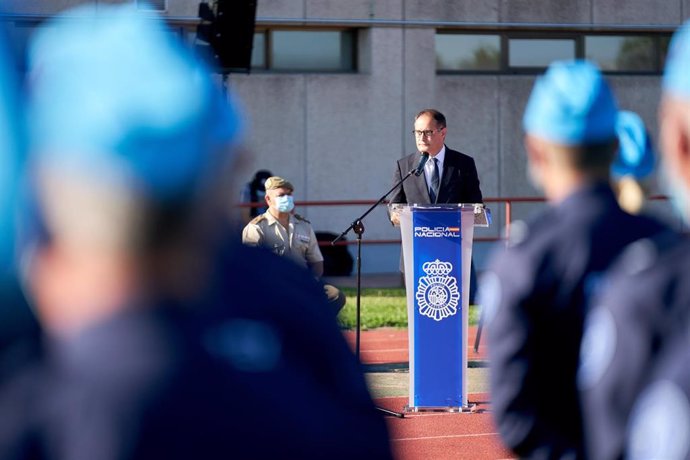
(289, 234)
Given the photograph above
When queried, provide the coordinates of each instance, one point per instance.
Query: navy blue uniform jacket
(257, 368)
(642, 308)
(539, 289)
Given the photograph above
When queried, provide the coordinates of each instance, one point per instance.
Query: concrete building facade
(336, 135)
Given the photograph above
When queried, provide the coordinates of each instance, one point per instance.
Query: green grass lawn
(382, 308)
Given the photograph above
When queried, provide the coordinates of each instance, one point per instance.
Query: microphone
(422, 161)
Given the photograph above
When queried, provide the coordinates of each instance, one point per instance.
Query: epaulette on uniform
(258, 219)
(298, 217)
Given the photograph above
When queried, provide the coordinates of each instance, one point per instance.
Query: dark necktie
(433, 190)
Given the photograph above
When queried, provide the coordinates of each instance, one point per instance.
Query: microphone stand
(358, 227)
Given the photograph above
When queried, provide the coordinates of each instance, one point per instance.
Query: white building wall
(337, 136)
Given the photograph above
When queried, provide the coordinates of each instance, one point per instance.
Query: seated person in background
(254, 192)
(289, 234)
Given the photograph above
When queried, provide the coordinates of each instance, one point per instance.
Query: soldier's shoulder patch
(258, 219)
(300, 218)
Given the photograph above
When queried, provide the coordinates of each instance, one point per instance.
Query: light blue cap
(636, 156)
(677, 72)
(11, 152)
(571, 104)
(116, 96)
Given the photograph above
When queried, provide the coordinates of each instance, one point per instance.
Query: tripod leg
(358, 228)
(390, 412)
(480, 326)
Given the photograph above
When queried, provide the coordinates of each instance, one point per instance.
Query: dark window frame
(525, 70)
(355, 32)
(659, 54)
(473, 71)
(580, 50)
(268, 58)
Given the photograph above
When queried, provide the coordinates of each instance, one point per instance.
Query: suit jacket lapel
(449, 172)
(419, 182)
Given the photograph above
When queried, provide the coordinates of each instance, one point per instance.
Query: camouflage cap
(275, 182)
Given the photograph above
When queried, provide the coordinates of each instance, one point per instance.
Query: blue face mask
(284, 203)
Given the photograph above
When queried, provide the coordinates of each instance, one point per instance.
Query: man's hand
(395, 218)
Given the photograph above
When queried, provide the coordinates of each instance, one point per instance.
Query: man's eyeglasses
(426, 133)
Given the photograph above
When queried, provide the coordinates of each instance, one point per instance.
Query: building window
(522, 52)
(664, 42)
(259, 51)
(304, 50)
(468, 52)
(538, 52)
(625, 53)
(296, 50)
(152, 5)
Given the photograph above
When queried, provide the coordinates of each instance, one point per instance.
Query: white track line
(424, 438)
(384, 350)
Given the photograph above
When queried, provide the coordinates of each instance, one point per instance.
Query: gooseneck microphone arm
(417, 172)
(422, 161)
(358, 227)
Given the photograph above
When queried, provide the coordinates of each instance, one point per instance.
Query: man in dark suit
(449, 176)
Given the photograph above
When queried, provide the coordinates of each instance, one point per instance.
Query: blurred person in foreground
(288, 234)
(535, 292)
(634, 376)
(633, 168)
(159, 346)
(16, 320)
(19, 332)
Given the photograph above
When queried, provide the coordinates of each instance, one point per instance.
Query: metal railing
(507, 203)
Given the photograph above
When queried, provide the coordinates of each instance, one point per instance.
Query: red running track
(390, 345)
(432, 435)
(440, 435)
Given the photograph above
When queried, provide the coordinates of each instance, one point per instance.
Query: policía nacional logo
(437, 293)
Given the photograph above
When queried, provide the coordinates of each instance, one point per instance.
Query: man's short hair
(435, 114)
(592, 158)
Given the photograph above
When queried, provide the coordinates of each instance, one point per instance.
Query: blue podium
(437, 252)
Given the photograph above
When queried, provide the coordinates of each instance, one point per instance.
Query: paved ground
(376, 280)
(384, 353)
